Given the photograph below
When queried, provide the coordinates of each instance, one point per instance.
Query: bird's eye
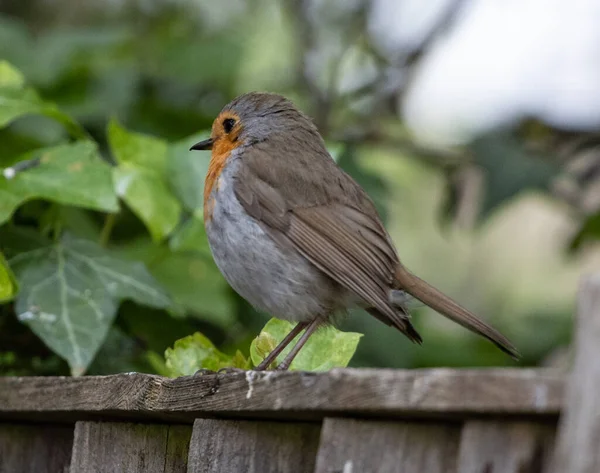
(228, 124)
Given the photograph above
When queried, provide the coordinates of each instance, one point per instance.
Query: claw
(203, 371)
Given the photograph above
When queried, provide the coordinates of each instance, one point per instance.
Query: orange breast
(220, 153)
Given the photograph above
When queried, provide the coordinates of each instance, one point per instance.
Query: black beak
(202, 145)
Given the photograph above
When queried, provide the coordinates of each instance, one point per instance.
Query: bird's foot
(203, 372)
(231, 370)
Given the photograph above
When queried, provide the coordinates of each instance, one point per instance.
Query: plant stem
(109, 223)
(56, 231)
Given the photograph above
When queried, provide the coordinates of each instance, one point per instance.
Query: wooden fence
(343, 421)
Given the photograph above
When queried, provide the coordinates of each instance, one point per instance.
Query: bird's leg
(312, 326)
(279, 348)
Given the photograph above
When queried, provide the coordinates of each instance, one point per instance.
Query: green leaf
(14, 144)
(8, 282)
(336, 150)
(157, 363)
(15, 41)
(137, 149)
(140, 179)
(192, 279)
(10, 77)
(158, 335)
(71, 289)
(191, 236)
(60, 52)
(119, 354)
(78, 222)
(195, 284)
(146, 194)
(196, 352)
(325, 349)
(590, 230)
(187, 171)
(17, 101)
(183, 57)
(72, 174)
(509, 169)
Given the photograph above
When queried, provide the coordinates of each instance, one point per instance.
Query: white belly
(283, 284)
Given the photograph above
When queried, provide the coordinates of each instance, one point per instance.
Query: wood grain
(229, 446)
(505, 447)
(114, 447)
(361, 446)
(35, 448)
(294, 395)
(578, 443)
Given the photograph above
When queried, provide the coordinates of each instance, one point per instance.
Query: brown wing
(314, 206)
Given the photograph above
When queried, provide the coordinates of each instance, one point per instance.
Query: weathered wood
(381, 392)
(504, 447)
(361, 446)
(114, 447)
(230, 446)
(578, 443)
(35, 448)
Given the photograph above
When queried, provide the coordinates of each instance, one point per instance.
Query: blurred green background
(107, 262)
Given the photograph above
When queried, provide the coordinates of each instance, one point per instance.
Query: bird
(297, 237)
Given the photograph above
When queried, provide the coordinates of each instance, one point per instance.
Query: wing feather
(332, 259)
(334, 224)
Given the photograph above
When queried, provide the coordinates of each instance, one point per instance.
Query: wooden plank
(35, 448)
(230, 446)
(380, 392)
(357, 446)
(578, 440)
(504, 447)
(115, 447)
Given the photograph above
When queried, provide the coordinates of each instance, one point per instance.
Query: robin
(296, 236)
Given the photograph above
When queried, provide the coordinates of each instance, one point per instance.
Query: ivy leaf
(137, 149)
(192, 279)
(10, 77)
(71, 289)
(72, 174)
(17, 100)
(145, 193)
(191, 236)
(187, 171)
(327, 348)
(120, 353)
(140, 179)
(196, 285)
(196, 352)
(8, 282)
(158, 335)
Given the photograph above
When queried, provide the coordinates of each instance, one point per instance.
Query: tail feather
(441, 303)
(406, 328)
